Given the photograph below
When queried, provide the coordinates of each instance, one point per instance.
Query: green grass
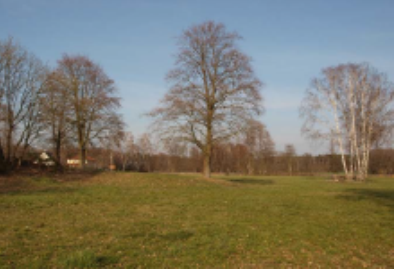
(183, 221)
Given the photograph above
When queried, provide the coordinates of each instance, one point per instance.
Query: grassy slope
(155, 220)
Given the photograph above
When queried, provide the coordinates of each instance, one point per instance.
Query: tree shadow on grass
(171, 236)
(177, 236)
(381, 197)
(249, 181)
(20, 183)
(38, 191)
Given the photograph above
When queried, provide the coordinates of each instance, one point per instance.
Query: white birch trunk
(339, 135)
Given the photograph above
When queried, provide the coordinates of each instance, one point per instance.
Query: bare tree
(21, 78)
(2, 132)
(92, 100)
(260, 146)
(289, 155)
(258, 142)
(126, 149)
(145, 152)
(174, 149)
(214, 90)
(55, 112)
(353, 105)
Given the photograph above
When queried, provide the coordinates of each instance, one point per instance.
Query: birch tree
(214, 91)
(352, 105)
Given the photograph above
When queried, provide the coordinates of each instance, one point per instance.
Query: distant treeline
(235, 159)
(144, 155)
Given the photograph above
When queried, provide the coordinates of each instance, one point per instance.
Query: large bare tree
(214, 91)
(351, 104)
(91, 97)
(21, 78)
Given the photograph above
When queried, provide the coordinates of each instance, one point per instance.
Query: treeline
(238, 157)
(230, 159)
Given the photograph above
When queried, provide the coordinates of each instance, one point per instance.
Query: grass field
(183, 221)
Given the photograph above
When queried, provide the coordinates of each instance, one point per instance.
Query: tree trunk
(58, 153)
(339, 137)
(207, 165)
(208, 146)
(1, 153)
(8, 156)
(82, 157)
(58, 149)
(290, 167)
(250, 166)
(2, 159)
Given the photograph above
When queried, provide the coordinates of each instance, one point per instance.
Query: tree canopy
(214, 92)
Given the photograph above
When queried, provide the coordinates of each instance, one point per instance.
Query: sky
(135, 43)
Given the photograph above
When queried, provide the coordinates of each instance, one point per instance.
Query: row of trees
(252, 153)
(73, 103)
(233, 157)
(209, 116)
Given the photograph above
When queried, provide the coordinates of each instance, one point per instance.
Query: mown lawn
(183, 221)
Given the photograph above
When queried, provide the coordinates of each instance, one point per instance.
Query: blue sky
(135, 42)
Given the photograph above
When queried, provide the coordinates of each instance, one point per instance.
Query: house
(75, 161)
(45, 158)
